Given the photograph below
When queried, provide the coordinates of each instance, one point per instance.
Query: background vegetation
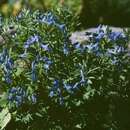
(92, 12)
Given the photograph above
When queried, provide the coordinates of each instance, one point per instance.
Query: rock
(80, 36)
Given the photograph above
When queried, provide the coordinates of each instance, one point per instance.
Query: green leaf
(78, 126)
(5, 118)
(19, 71)
(3, 100)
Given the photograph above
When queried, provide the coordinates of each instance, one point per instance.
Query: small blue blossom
(93, 48)
(99, 37)
(9, 63)
(82, 77)
(55, 88)
(68, 87)
(18, 96)
(77, 45)
(45, 47)
(48, 18)
(47, 63)
(8, 67)
(34, 76)
(33, 65)
(33, 98)
(31, 40)
(56, 83)
(3, 55)
(61, 27)
(13, 90)
(8, 78)
(114, 61)
(51, 94)
(116, 50)
(24, 55)
(101, 28)
(65, 49)
(114, 36)
(76, 85)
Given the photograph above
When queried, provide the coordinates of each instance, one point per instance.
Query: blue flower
(24, 55)
(48, 18)
(68, 87)
(9, 64)
(116, 50)
(18, 99)
(3, 55)
(47, 63)
(13, 90)
(8, 68)
(114, 60)
(8, 78)
(62, 28)
(76, 85)
(93, 48)
(99, 37)
(101, 29)
(33, 75)
(33, 98)
(79, 47)
(82, 77)
(18, 96)
(33, 65)
(51, 94)
(114, 36)
(45, 47)
(1, 58)
(56, 83)
(10, 97)
(55, 88)
(65, 49)
(72, 87)
(31, 40)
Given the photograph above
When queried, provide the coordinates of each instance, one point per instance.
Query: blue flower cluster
(18, 96)
(59, 85)
(50, 19)
(46, 63)
(104, 42)
(56, 90)
(7, 62)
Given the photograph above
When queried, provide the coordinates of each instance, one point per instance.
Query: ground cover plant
(47, 82)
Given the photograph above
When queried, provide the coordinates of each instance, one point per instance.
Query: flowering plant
(45, 78)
